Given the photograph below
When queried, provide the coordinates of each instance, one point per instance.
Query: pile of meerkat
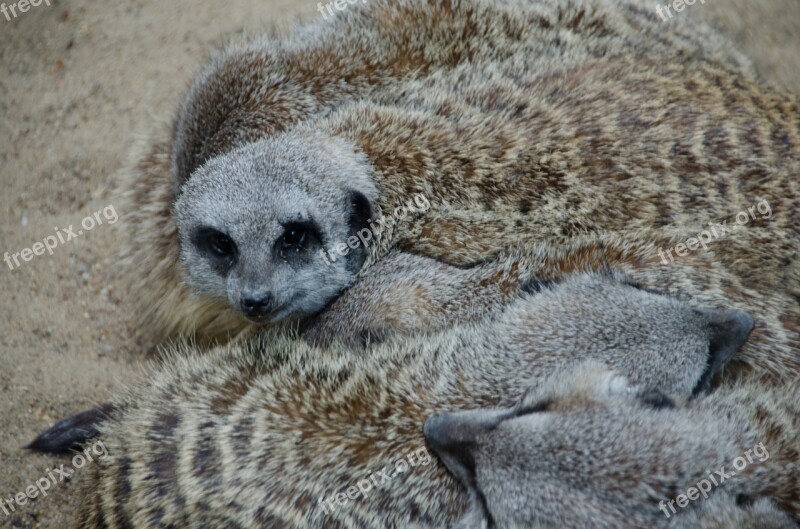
(552, 140)
(210, 439)
(517, 121)
(267, 434)
(627, 458)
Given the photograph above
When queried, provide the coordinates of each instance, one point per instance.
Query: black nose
(437, 430)
(257, 306)
(729, 330)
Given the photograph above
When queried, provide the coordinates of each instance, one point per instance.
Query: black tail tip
(71, 433)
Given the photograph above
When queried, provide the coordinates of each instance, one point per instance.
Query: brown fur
(586, 154)
(561, 142)
(254, 435)
(333, 416)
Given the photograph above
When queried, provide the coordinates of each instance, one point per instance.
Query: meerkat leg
(405, 293)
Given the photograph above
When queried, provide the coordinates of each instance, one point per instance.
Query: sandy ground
(78, 81)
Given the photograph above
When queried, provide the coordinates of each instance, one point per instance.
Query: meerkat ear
(453, 436)
(729, 330)
(360, 211)
(656, 399)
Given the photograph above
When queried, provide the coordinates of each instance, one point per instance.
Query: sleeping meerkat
(508, 130)
(407, 294)
(268, 434)
(767, 367)
(589, 449)
(265, 86)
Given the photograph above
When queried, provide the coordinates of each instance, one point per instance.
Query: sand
(79, 81)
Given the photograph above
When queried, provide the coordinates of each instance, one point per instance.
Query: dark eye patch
(656, 400)
(534, 286)
(743, 500)
(639, 286)
(215, 245)
(297, 237)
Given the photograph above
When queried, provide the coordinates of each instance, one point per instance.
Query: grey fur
(588, 450)
(251, 196)
(254, 435)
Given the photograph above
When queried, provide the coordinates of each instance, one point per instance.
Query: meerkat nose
(257, 306)
(447, 431)
(436, 430)
(729, 331)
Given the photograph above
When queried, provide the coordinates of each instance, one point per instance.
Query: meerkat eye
(220, 244)
(299, 236)
(537, 407)
(215, 243)
(656, 400)
(639, 286)
(295, 235)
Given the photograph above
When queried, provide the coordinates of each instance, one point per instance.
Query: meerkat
(267, 433)
(386, 103)
(631, 453)
(264, 86)
(770, 360)
(408, 294)
(404, 294)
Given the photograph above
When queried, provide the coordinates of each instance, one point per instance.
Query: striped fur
(254, 435)
(520, 121)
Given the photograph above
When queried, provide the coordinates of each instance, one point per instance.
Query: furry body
(537, 123)
(632, 456)
(409, 294)
(406, 294)
(256, 435)
(541, 154)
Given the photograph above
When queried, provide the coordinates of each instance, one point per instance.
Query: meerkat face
(586, 450)
(656, 340)
(254, 224)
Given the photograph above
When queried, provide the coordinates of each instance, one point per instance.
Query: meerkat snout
(255, 305)
(256, 225)
(729, 330)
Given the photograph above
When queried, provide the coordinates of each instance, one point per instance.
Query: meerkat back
(267, 434)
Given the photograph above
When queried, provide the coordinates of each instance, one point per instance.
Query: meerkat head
(586, 449)
(254, 224)
(656, 340)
